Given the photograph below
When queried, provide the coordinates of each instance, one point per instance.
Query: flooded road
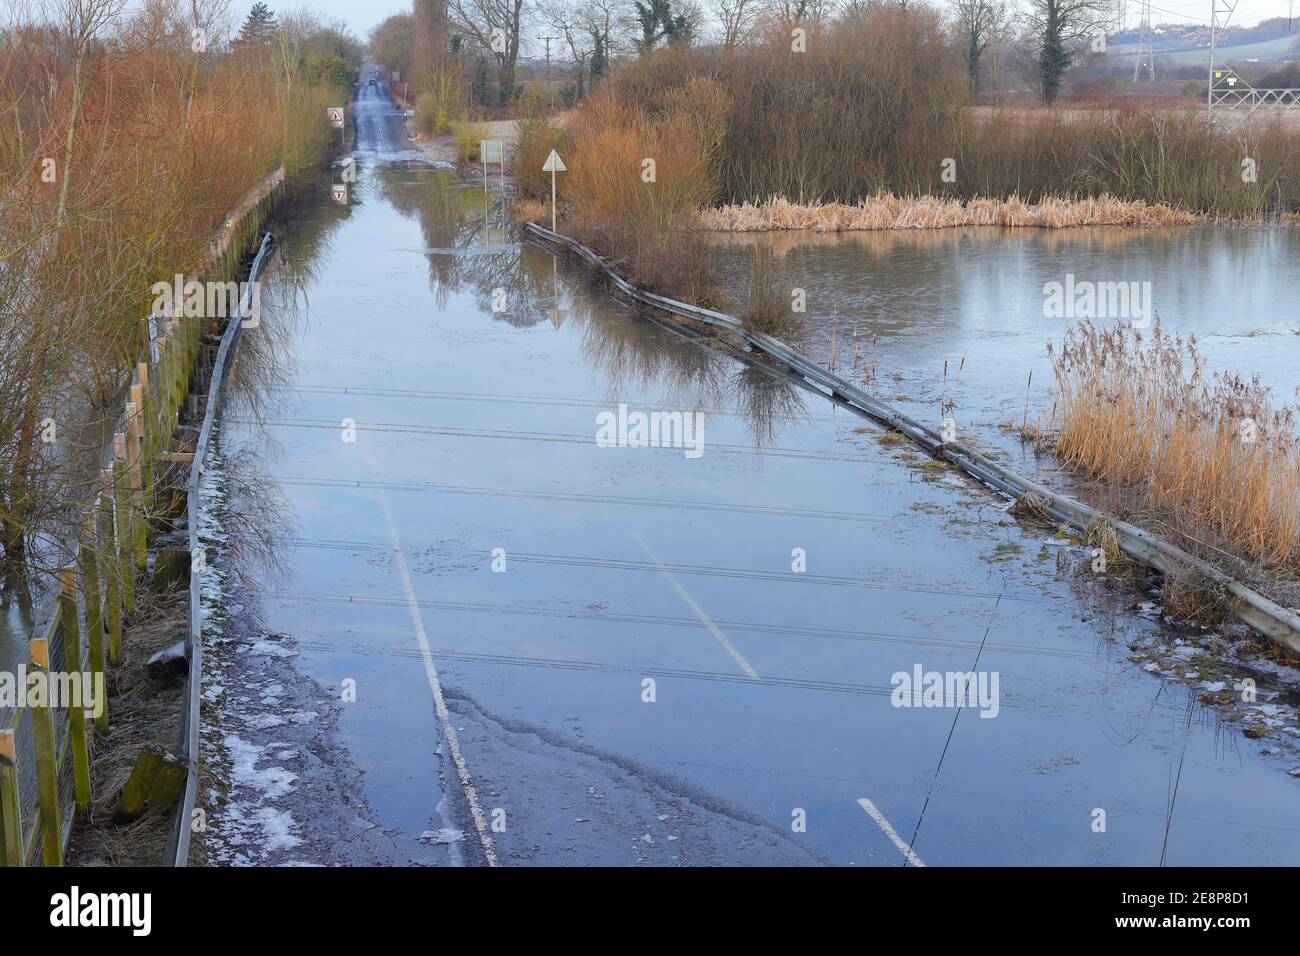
(518, 644)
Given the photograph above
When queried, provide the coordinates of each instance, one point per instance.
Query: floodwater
(975, 299)
(565, 653)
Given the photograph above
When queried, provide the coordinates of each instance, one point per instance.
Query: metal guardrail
(178, 840)
(1247, 605)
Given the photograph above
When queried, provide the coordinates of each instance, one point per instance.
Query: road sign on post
(335, 116)
(553, 165)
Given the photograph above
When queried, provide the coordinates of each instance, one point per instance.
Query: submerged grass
(767, 311)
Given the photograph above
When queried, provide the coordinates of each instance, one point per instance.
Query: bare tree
(737, 19)
(571, 25)
(1060, 28)
(804, 11)
(493, 25)
(78, 21)
(978, 21)
(392, 43)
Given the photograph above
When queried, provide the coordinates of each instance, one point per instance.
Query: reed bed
(1208, 455)
(887, 211)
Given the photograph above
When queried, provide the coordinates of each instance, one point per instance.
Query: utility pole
(1221, 12)
(1146, 44)
(549, 90)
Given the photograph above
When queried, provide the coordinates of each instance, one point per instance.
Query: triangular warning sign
(554, 164)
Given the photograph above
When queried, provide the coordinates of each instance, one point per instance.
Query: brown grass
(143, 711)
(531, 210)
(1208, 456)
(886, 211)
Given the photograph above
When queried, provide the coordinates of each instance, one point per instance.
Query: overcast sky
(361, 15)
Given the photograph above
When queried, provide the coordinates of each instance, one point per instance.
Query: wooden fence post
(47, 773)
(76, 708)
(178, 373)
(139, 540)
(94, 617)
(11, 808)
(112, 566)
(122, 504)
(150, 405)
(167, 375)
(145, 441)
(161, 386)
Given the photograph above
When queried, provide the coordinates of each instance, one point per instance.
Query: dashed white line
(908, 854)
(440, 705)
(699, 611)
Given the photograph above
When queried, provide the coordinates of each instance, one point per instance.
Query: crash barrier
(1246, 604)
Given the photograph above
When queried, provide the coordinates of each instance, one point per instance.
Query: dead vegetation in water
(143, 711)
(1206, 460)
(767, 310)
(531, 210)
(886, 211)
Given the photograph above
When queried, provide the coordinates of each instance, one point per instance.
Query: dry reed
(1209, 456)
(886, 211)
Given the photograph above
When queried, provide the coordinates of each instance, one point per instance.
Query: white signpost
(553, 165)
(335, 116)
(339, 193)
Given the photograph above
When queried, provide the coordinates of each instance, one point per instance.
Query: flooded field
(518, 643)
(975, 299)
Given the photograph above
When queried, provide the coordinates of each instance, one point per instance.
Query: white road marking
(440, 705)
(699, 611)
(912, 858)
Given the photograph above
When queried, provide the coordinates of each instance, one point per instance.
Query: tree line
(1036, 42)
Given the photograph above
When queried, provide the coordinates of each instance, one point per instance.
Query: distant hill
(1189, 43)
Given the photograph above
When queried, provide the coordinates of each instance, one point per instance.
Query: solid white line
(912, 858)
(699, 611)
(440, 705)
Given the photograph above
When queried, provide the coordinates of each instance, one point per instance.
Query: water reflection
(884, 243)
(471, 245)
